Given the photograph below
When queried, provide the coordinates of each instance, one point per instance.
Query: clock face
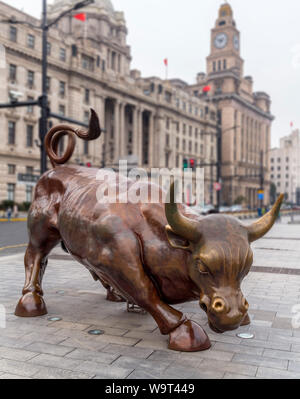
(221, 40)
(236, 42)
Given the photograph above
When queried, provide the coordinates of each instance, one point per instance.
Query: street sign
(217, 186)
(260, 196)
(28, 179)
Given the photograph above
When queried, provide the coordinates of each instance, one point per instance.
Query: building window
(30, 107)
(86, 96)
(29, 191)
(167, 140)
(219, 65)
(29, 170)
(11, 191)
(87, 62)
(183, 145)
(168, 96)
(167, 159)
(86, 148)
(184, 128)
(48, 48)
(113, 60)
(30, 78)
(62, 110)
(224, 64)
(278, 159)
(11, 169)
(86, 117)
(168, 123)
(272, 160)
(12, 72)
(11, 132)
(214, 66)
(30, 41)
(62, 89)
(13, 33)
(62, 54)
(29, 136)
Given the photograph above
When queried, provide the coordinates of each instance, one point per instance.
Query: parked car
(203, 210)
(224, 209)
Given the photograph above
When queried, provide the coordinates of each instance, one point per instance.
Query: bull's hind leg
(32, 303)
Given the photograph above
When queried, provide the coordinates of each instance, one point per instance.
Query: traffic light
(185, 164)
(192, 164)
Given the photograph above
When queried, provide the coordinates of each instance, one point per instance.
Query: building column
(151, 140)
(121, 131)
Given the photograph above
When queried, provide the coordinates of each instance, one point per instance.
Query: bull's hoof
(189, 337)
(112, 296)
(31, 305)
(246, 320)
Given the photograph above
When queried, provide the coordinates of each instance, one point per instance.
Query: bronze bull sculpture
(154, 255)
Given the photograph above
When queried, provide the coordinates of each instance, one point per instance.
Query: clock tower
(244, 116)
(225, 45)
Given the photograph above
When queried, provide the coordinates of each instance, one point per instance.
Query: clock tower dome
(225, 45)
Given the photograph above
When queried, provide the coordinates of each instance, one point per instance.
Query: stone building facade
(285, 167)
(245, 115)
(158, 123)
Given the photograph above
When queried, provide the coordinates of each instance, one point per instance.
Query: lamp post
(42, 101)
(43, 123)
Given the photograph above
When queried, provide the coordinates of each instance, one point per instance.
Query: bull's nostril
(245, 304)
(218, 305)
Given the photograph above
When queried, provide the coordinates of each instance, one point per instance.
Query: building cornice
(239, 99)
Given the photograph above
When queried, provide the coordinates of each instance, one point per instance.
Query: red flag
(166, 61)
(206, 89)
(292, 124)
(81, 16)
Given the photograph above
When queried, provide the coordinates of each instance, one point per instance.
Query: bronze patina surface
(152, 255)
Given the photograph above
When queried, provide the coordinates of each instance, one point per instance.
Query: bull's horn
(264, 224)
(181, 225)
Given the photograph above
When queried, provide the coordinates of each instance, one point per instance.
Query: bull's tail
(57, 132)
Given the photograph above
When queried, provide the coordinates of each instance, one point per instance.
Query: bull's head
(220, 258)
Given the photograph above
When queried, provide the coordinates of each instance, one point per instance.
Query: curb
(14, 220)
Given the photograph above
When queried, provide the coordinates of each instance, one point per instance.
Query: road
(12, 235)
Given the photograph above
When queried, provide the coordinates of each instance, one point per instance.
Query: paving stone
(7, 376)
(266, 344)
(176, 372)
(231, 367)
(269, 373)
(56, 374)
(234, 376)
(281, 354)
(95, 356)
(16, 354)
(103, 371)
(51, 349)
(282, 322)
(18, 368)
(55, 361)
(260, 361)
(142, 353)
(238, 348)
(145, 374)
(128, 362)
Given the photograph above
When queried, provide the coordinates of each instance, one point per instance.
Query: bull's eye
(201, 267)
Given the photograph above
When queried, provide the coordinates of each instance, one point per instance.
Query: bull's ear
(176, 241)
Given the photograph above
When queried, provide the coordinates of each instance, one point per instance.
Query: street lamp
(42, 101)
(44, 98)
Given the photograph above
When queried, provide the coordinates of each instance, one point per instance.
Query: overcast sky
(180, 31)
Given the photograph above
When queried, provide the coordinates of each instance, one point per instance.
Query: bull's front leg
(132, 282)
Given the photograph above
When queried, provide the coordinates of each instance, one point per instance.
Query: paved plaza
(131, 346)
